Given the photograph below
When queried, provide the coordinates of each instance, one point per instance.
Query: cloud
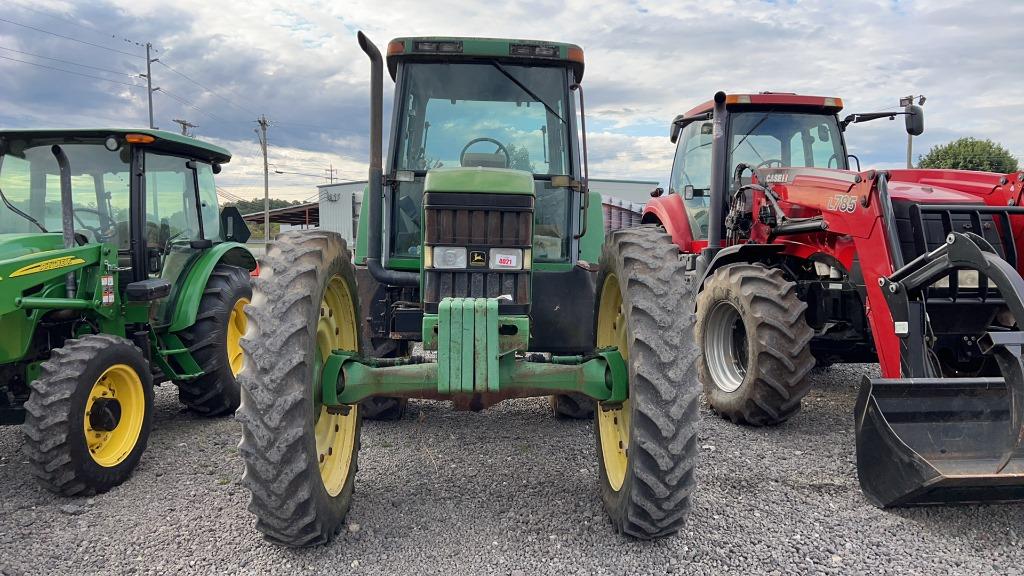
(647, 61)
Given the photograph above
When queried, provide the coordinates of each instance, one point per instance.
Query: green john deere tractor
(481, 241)
(116, 272)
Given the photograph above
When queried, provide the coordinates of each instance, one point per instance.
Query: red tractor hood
(927, 194)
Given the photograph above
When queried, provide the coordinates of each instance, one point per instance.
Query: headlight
(506, 259)
(449, 257)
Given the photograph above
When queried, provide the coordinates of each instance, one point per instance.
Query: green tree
(519, 158)
(970, 154)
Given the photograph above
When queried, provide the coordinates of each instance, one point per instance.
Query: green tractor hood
(479, 179)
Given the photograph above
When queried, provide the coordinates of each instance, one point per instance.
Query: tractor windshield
(771, 139)
(30, 182)
(484, 114)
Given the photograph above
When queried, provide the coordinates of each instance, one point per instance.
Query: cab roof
(505, 49)
(780, 99)
(162, 140)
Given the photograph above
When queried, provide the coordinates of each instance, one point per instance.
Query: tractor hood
(928, 194)
(479, 179)
(17, 245)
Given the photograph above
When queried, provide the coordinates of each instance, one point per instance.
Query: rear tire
(300, 460)
(89, 415)
(647, 446)
(572, 406)
(213, 342)
(384, 408)
(755, 345)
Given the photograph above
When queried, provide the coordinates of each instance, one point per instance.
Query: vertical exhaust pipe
(719, 158)
(67, 216)
(375, 178)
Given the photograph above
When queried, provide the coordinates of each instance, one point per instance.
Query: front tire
(647, 446)
(300, 459)
(213, 341)
(89, 415)
(572, 406)
(755, 345)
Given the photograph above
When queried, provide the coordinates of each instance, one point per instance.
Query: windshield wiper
(529, 92)
(18, 211)
(751, 131)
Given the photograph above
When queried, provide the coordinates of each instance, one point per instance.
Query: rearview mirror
(688, 192)
(233, 225)
(914, 119)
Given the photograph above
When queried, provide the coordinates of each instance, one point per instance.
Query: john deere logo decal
(477, 258)
(52, 264)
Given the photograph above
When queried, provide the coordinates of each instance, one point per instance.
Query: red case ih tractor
(803, 260)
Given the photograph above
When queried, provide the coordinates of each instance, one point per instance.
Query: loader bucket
(936, 441)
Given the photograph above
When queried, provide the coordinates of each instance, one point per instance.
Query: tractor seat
(147, 290)
(484, 160)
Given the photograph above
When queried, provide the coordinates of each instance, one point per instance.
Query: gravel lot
(507, 491)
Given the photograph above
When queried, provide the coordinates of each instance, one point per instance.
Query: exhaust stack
(375, 178)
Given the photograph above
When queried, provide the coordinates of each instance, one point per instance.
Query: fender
(191, 289)
(669, 211)
(733, 254)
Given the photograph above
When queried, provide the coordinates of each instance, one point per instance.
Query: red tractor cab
(804, 258)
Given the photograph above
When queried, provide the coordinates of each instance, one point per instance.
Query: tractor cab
(766, 130)
(158, 223)
(480, 106)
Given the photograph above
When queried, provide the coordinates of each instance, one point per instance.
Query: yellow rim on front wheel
(613, 423)
(336, 329)
(114, 412)
(237, 323)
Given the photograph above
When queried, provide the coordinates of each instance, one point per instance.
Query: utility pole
(330, 173)
(149, 82)
(906, 102)
(185, 125)
(262, 133)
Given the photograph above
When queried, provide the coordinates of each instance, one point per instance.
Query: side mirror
(688, 192)
(233, 225)
(914, 119)
(673, 133)
(216, 167)
(657, 192)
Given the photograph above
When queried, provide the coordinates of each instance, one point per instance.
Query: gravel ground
(507, 491)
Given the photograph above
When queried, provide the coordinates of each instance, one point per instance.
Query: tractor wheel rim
(335, 433)
(237, 324)
(725, 347)
(114, 412)
(613, 421)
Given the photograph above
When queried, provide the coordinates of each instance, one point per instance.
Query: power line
(71, 38)
(79, 24)
(204, 87)
(67, 62)
(71, 72)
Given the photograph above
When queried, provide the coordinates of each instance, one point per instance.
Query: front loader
(116, 273)
(802, 259)
(481, 241)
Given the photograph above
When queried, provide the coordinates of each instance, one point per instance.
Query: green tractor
(116, 272)
(482, 242)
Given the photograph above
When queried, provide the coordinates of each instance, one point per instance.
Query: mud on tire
(755, 344)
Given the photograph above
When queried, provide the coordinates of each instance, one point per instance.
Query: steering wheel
(769, 162)
(500, 148)
(99, 233)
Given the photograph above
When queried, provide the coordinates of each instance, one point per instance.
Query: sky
(223, 64)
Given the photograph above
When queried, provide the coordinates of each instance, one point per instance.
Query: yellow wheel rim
(613, 424)
(114, 413)
(336, 329)
(237, 323)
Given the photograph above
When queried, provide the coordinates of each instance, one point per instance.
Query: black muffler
(934, 440)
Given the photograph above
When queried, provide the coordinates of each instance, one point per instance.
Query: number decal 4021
(842, 203)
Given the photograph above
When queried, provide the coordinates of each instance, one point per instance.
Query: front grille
(923, 227)
(478, 222)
